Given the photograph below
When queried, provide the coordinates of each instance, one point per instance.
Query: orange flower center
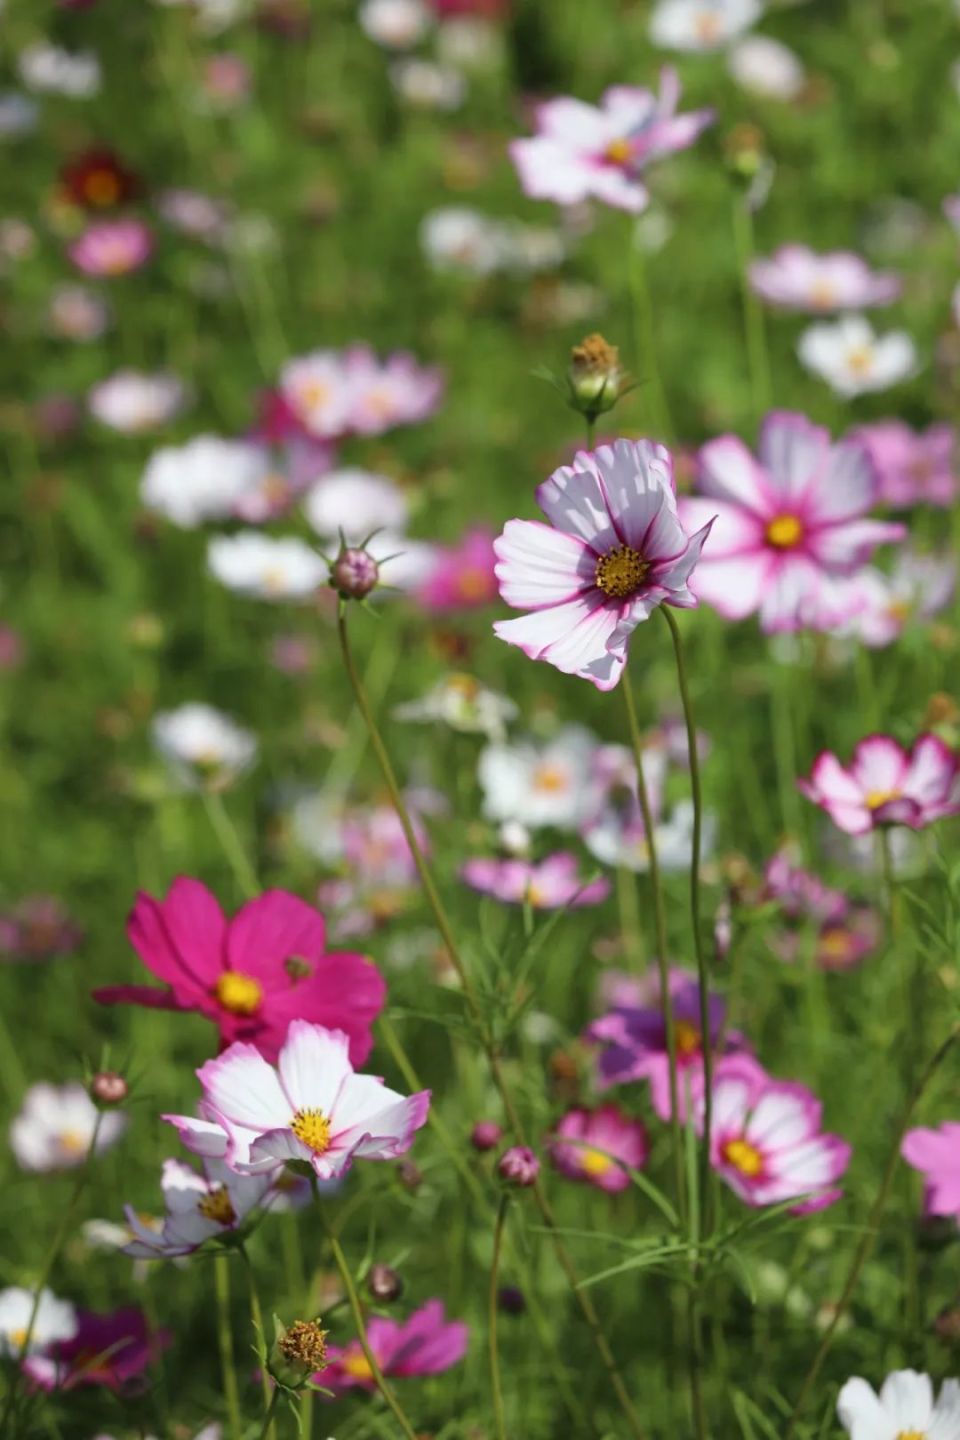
(877, 798)
(860, 359)
(784, 532)
(707, 28)
(823, 294)
(72, 1142)
(618, 152)
(743, 1157)
(312, 1128)
(687, 1037)
(240, 994)
(218, 1207)
(551, 779)
(102, 187)
(472, 584)
(621, 572)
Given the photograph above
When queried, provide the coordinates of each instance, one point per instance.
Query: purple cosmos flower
(613, 550)
(548, 884)
(886, 785)
(797, 278)
(110, 1350)
(915, 467)
(425, 1344)
(589, 1143)
(936, 1154)
(791, 525)
(583, 150)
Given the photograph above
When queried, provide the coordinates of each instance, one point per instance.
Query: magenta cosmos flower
(613, 550)
(111, 1350)
(766, 1142)
(253, 974)
(112, 247)
(797, 278)
(886, 785)
(791, 525)
(461, 576)
(548, 884)
(583, 151)
(589, 1143)
(936, 1154)
(915, 467)
(425, 1344)
(312, 1107)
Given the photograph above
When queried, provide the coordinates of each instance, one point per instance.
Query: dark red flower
(97, 179)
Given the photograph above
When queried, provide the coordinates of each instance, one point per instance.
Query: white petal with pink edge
(539, 566)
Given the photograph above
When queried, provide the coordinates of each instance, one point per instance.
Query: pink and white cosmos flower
(917, 588)
(791, 525)
(199, 1208)
(313, 1107)
(590, 1143)
(548, 884)
(600, 151)
(766, 1142)
(112, 247)
(936, 1154)
(797, 278)
(614, 549)
(886, 785)
(385, 393)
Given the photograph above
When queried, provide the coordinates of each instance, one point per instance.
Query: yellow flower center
(618, 152)
(550, 779)
(239, 993)
(595, 1162)
(380, 402)
(860, 360)
(535, 897)
(707, 27)
(102, 188)
(899, 610)
(911, 1435)
(472, 584)
(834, 943)
(744, 1157)
(464, 685)
(18, 1337)
(72, 1142)
(313, 393)
(620, 572)
(823, 294)
(312, 1128)
(218, 1207)
(357, 1365)
(687, 1037)
(784, 532)
(877, 798)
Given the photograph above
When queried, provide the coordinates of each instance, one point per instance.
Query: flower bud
(109, 1088)
(298, 1352)
(511, 1300)
(410, 1175)
(485, 1135)
(354, 573)
(384, 1284)
(519, 1166)
(595, 376)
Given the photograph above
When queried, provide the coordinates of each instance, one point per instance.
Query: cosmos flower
(428, 85)
(37, 928)
(797, 278)
(55, 1128)
(917, 588)
(886, 785)
(766, 67)
(312, 1108)
(54, 71)
(204, 748)
(76, 313)
(853, 360)
(614, 549)
(395, 24)
(357, 503)
(791, 526)
(461, 576)
(539, 784)
(904, 1407)
(844, 934)
(701, 25)
(386, 393)
(464, 704)
(210, 478)
(766, 1142)
(110, 1350)
(915, 467)
(253, 974)
(427, 1343)
(583, 151)
(132, 402)
(55, 1320)
(267, 567)
(456, 238)
(198, 1208)
(97, 179)
(193, 213)
(589, 1143)
(112, 247)
(549, 884)
(936, 1154)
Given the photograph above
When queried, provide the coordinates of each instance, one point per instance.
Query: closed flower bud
(595, 376)
(108, 1087)
(298, 1352)
(410, 1175)
(511, 1300)
(519, 1166)
(354, 573)
(384, 1283)
(485, 1135)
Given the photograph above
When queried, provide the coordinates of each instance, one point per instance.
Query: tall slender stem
(703, 979)
(584, 1301)
(260, 1341)
(660, 928)
(226, 833)
(386, 1390)
(871, 1229)
(228, 1369)
(492, 1310)
(271, 1411)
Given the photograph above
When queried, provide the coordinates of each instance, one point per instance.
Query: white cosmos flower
(55, 1320)
(55, 1127)
(433, 87)
(539, 785)
(199, 1207)
(133, 402)
(77, 313)
(904, 1408)
(47, 68)
(266, 567)
(853, 359)
(202, 745)
(207, 479)
(698, 25)
(356, 503)
(395, 24)
(465, 705)
(457, 238)
(766, 67)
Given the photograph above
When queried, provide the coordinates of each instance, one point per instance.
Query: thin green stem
(871, 1230)
(271, 1410)
(891, 896)
(226, 833)
(228, 1369)
(386, 1390)
(758, 358)
(492, 1312)
(260, 1342)
(660, 929)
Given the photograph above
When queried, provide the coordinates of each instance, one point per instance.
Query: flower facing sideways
(199, 1208)
(589, 1144)
(110, 1350)
(56, 1127)
(614, 549)
(549, 884)
(797, 278)
(905, 1408)
(886, 785)
(425, 1344)
(312, 1107)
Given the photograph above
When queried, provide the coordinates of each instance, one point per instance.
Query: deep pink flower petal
(180, 938)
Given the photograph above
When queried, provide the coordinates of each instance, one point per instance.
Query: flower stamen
(312, 1128)
(239, 993)
(784, 532)
(743, 1157)
(620, 572)
(218, 1207)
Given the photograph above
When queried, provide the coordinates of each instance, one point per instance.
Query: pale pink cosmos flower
(588, 1145)
(112, 247)
(766, 1140)
(936, 1154)
(385, 393)
(917, 588)
(791, 525)
(614, 549)
(313, 1107)
(549, 884)
(582, 151)
(199, 1208)
(57, 1125)
(797, 278)
(886, 785)
(843, 934)
(915, 467)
